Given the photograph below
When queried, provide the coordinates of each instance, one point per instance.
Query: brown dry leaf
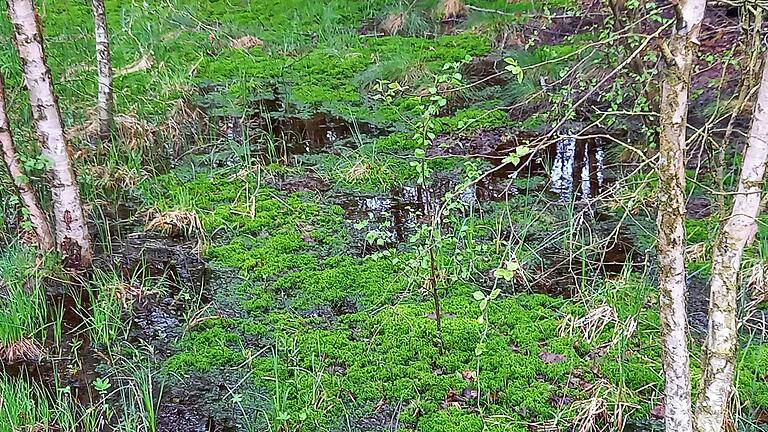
(658, 412)
(246, 43)
(468, 375)
(453, 399)
(550, 358)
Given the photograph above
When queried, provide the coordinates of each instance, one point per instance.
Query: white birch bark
(72, 237)
(719, 353)
(28, 197)
(104, 62)
(679, 55)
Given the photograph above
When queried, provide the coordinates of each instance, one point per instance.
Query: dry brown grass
(142, 64)
(185, 119)
(393, 23)
(115, 177)
(246, 43)
(177, 223)
(451, 9)
(130, 131)
(24, 350)
(357, 171)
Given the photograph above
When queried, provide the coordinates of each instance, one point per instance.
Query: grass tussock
(451, 9)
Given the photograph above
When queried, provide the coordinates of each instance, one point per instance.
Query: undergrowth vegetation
(325, 216)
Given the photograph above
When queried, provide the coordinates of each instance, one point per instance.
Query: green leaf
(478, 295)
(495, 293)
(511, 159)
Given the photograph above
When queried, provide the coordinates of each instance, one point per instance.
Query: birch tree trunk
(72, 237)
(36, 215)
(104, 62)
(679, 53)
(719, 353)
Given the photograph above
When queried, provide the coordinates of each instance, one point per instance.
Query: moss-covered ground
(329, 322)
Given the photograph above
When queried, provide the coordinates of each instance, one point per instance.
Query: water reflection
(578, 168)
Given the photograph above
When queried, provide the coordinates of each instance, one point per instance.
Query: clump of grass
(451, 9)
(109, 296)
(177, 223)
(404, 20)
(22, 305)
(23, 406)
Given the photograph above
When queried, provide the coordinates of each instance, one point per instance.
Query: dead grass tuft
(185, 121)
(177, 223)
(357, 171)
(142, 64)
(451, 9)
(25, 350)
(246, 43)
(130, 131)
(393, 23)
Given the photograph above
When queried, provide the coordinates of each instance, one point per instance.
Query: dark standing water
(578, 168)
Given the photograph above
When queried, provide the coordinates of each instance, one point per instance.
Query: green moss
(369, 283)
(750, 376)
(700, 230)
(262, 258)
(451, 420)
(204, 350)
(470, 119)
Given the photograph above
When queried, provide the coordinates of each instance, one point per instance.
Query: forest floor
(290, 187)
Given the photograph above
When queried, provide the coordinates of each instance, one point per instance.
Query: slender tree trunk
(720, 346)
(104, 62)
(72, 237)
(28, 198)
(679, 54)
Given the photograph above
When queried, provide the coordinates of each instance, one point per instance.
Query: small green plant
(102, 385)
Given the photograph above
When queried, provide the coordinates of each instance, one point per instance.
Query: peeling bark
(679, 55)
(28, 197)
(72, 237)
(104, 62)
(719, 354)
